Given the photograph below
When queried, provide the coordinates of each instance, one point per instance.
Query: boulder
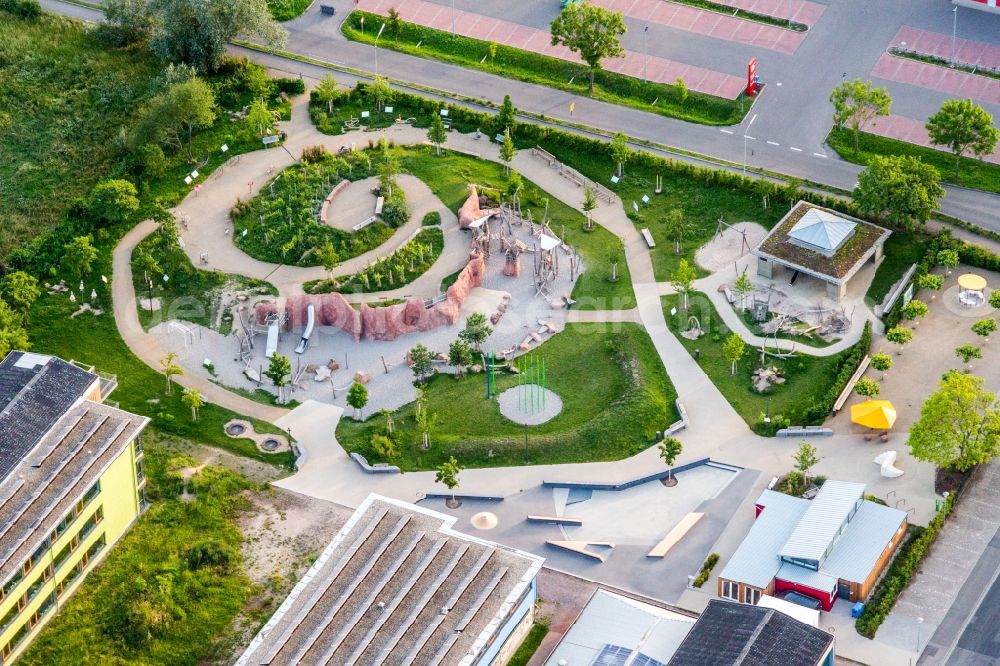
(362, 377)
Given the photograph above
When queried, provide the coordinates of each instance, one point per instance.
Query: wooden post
(384, 365)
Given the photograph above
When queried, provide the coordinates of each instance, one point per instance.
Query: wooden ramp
(580, 548)
(675, 535)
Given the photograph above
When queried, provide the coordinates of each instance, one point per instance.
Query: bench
(679, 425)
(648, 238)
(846, 393)
(675, 535)
(377, 468)
(378, 205)
(361, 225)
(556, 520)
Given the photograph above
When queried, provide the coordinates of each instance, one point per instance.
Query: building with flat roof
(828, 246)
(835, 545)
(399, 586)
(71, 484)
(729, 634)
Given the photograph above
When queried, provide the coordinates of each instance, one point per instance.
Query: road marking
(798, 150)
(747, 136)
(773, 143)
(819, 154)
(726, 131)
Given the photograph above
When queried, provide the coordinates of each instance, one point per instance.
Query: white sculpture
(886, 460)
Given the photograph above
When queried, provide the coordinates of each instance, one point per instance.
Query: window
(71, 576)
(731, 590)
(62, 555)
(66, 521)
(94, 550)
(39, 582)
(47, 604)
(12, 583)
(9, 616)
(92, 522)
(93, 492)
(752, 595)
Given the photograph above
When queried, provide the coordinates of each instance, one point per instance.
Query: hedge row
(902, 569)
(817, 412)
(706, 569)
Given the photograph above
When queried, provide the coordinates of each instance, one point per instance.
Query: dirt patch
(728, 246)
(949, 480)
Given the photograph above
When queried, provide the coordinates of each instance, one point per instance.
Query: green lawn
(536, 68)
(147, 602)
(702, 204)
(615, 395)
(972, 173)
(902, 250)
(449, 176)
(529, 645)
(286, 10)
(807, 378)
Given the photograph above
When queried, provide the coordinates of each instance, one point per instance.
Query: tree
(326, 91)
(175, 114)
(882, 362)
(170, 370)
(421, 362)
(437, 134)
(380, 92)
(592, 32)
(259, 117)
(620, 152)
(899, 189)
(963, 126)
(447, 473)
(507, 151)
(357, 397)
(615, 253)
(491, 51)
(681, 91)
(669, 450)
(192, 398)
(384, 447)
(930, 281)
(426, 422)
(78, 256)
(12, 332)
(856, 103)
(389, 423)
(506, 117)
(676, 227)
(589, 204)
(393, 23)
(899, 335)
(915, 309)
(968, 352)
(460, 355)
(477, 330)
(196, 32)
(959, 424)
(278, 370)
(984, 327)
(733, 349)
(995, 300)
(683, 279)
(328, 257)
(806, 457)
(125, 22)
(743, 286)
(949, 259)
(113, 200)
(19, 290)
(867, 387)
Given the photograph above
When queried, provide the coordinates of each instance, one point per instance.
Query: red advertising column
(752, 77)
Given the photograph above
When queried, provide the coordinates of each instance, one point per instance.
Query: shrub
(431, 219)
(395, 212)
(905, 564)
(26, 9)
(210, 553)
(290, 86)
(706, 569)
(821, 409)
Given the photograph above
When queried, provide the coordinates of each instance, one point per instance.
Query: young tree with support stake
(964, 127)
(507, 151)
(192, 398)
(621, 153)
(589, 204)
(882, 362)
(278, 371)
(447, 473)
(170, 370)
(856, 103)
(436, 133)
(591, 31)
(683, 279)
(669, 450)
(357, 398)
(805, 459)
(326, 91)
(506, 117)
(733, 349)
(421, 362)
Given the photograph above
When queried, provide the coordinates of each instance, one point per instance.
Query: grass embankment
(944, 62)
(615, 395)
(533, 67)
(973, 173)
(701, 203)
(167, 593)
(901, 250)
(529, 646)
(449, 176)
(286, 10)
(392, 272)
(807, 378)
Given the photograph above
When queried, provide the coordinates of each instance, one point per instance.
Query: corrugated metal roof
(818, 527)
(822, 229)
(611, 619)
(862, 543)
(756, 560)
(817, 580)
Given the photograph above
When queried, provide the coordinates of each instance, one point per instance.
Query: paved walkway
(518, 36)
(936, 77)
(709, 23)
(914, 131)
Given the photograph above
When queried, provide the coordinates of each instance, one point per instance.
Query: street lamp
(376, 47)
(954, 33)
(645, 53)
(745, 137)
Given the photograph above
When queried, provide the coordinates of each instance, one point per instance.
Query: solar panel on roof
(612, 655)
(646, 660)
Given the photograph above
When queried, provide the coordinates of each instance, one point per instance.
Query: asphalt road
(793, 113)
(980, 642)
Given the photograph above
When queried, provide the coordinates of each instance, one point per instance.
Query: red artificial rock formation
(470, 210)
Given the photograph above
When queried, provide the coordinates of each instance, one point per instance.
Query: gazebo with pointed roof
(829, 246)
